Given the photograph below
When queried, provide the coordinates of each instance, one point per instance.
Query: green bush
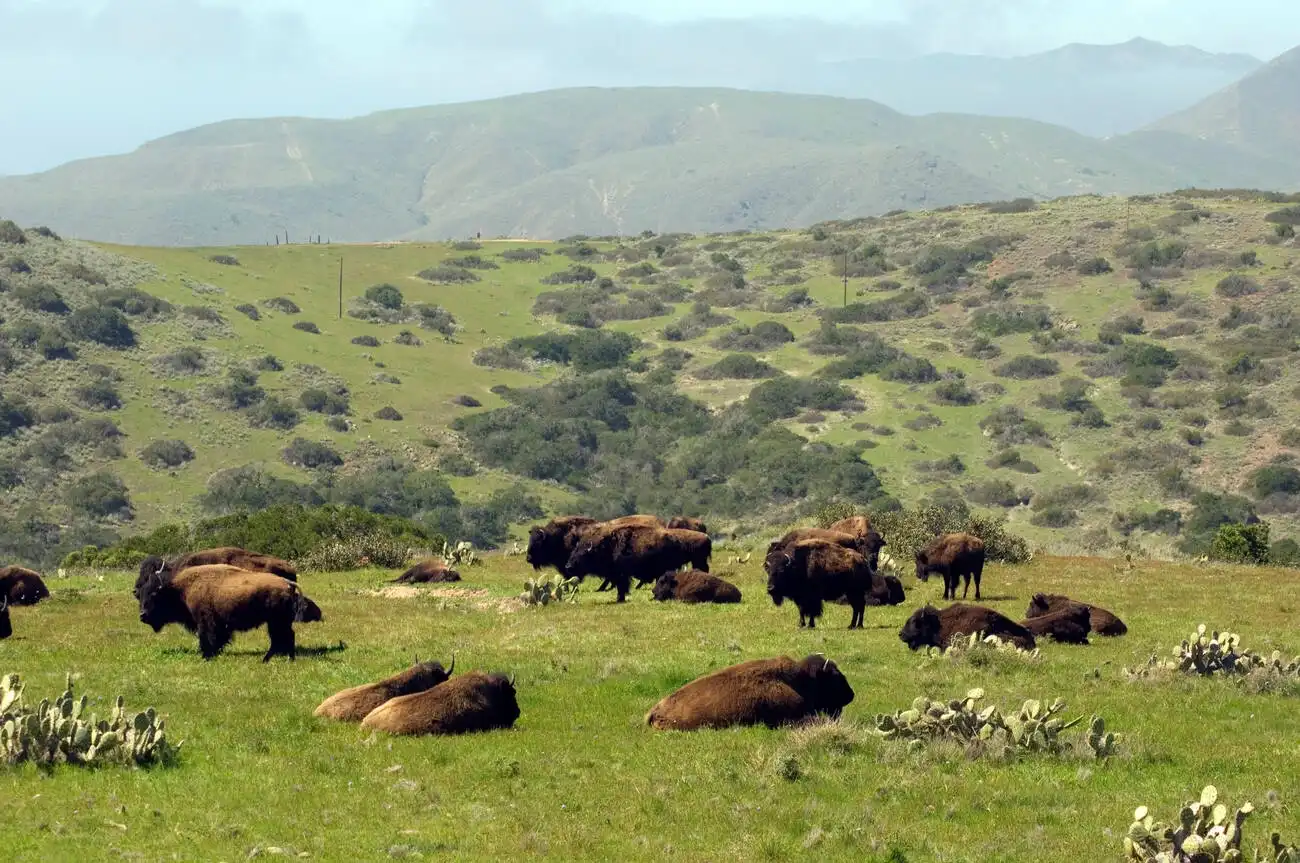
(388, 413)
(324, 402)
(385, 295)
(1210, 511)
(1094, 267)
(910, 530)
(955, 392)
(1285, 552)
(448, 275)
(41, 297)
(529, 256)
(82, 273)
(1156, 254)
(1166, 521)
(249, 311)
(99, 495)
(576, 274)
(310, 454)
(1241, 543)
(1008, 425)
(366, 341)
(224, 260)
(1285, 216)
(996, 492)
(15, 414)
(274, 413)
(784, 397)
(101, 324)
(1236, 286)
(1274, 479)
(306, 327)
(738, 367)
(1005, 320)
(473, 262)
(240, 390)
(165, 454)
(1025, 367)
(1018, 205)
(11, 234)
(98, 395)
(282, 304)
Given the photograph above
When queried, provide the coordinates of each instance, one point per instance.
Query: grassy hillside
(594, 161)
(1088, 367)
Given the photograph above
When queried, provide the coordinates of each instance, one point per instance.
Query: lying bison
(250, 561)
(814, 571)
(427, 572)
(929, 627)
(353, 705)
(771, 692)
(1068, 625)
(1103, 622)
(22, 586)
(870, 542)
(886, 590)
(620, 553)
(695, 586)
(216, 601)
(952, 556)
(471, 702)
(6, 628)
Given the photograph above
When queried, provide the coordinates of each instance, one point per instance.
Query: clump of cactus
(553, 588)
(461, 554)
(1034, 728)
(59, 732)
(1221, 654)
(977, 646)
(1206, 833)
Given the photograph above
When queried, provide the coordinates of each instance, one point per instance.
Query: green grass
(581, 777)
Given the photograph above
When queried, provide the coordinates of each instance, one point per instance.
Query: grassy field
(581, 777)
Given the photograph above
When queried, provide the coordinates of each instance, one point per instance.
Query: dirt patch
(479, 598)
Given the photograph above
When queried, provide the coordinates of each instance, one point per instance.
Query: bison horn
(512, 680)
(452, 667)
(4, 603)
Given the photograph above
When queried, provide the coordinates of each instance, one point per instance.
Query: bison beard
(1103, 622)
(814, 571)
(771, 692)
(953, 556)
(471, 702)
(354, 704)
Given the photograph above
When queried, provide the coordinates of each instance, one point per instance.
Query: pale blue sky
(103, 76)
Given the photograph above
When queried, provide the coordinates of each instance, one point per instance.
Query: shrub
(99, 495)
(955, 392)
(134, 302)
(388, 413)
(282, 304)
(1004, 320)
(1060, 261)
(738, 366)
(15, 414)
(1027, 367)
(166, 454)
(310, 454)
(1284, 232)
(17, 265)
(1018, 205)
(456, 464)
(473, 262)
(240, 390)
(267, 363)
(250, 311)
(82, 273)
(1285, 216)
(529, 256)
(41, 297)
(274, 413)
(99, 395)
(763, 336)
(101, 324)
(1274, 479)
(1241, 543)
(1054, 517)
(306, 327)
(203, 313)
(224, 260)
(1236, 286)
(11, 234)
(187, 361)
(574, 275)
(53, 345)
(1156, 254)
(385, 295)
(1008, 425)
(908, 304)
(1094, 267)
(337, 424)
(996, 492)
(784, 397)
(324, 402)
(1285, 552)
(375, 550)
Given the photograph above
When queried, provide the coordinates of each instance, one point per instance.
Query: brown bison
(307, 611)
(426, 571)
(22, 586)
(886, 590)
(813, 571)
(952, 556)
(685, 522)
(870, 540)
(862, 545)
(929, 627)
(771, 692)
(1069, 625)
(471, 702)
(695, 586)
(353, 705)
(6, 628)
(216, 601)
(1103, 622)
(619, 554)
(551, 544)
(250, 561)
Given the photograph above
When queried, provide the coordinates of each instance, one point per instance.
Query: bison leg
(283, 641)
(623, 583)
(604, 586)
(979, 570)
(859, 612)
(965, 588)
(213, 638)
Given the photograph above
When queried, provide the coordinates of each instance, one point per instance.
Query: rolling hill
(1102, 370)
(591, 161)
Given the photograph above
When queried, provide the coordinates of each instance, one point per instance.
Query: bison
(471, 702)
(862, 545)
(886, 590)
(695, 586)
(619, 554)
(6, 628)
(353, 705)
(427, 571)
(952, 556)
(813, 571)
(928, 627)
(215, 601)
(870, 540)
(307, 611)
(771, 692)
(1103, 622)
(685, 522)
(22, 586)
(552, 543)
(1069, 625)
(250, 561)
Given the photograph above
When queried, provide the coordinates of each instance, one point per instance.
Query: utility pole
(846, 280)
(340, 287)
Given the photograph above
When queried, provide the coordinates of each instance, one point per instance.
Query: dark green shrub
(763, 336)
(166, 454)
(385, 295)
(250, 488)
(267, 363)
(1235, 286)
(1241, 543)
(574, 275)
(448, 275)
(53, 345)
(101, 324)
(250, 311)
(908, 304)
(955, 392)
(456, 464)
(16, 265)
(240, 390)
(41, 297)
(1018, 205)
(282, 304)
(337, 424)
(306, 327)
(388, 413)
(188, 360)
(1274, 479)
(996, 492)
(98, 395)
(1090, 418)
(529, 256)
(1060, 261)
(739, 367)
(134, 302)
(15, 414)
(1094, 267)
(82, 273)
(1008, 425)
(1156, 254)
(1166, 521)
(366, 341)
(1054, 517)
(1004, 320)
(1285, 552)
(224, 260)
(1249, 258)
(473, 262)
(1285, 216)
(99, 495)
(310, 454)
(11, 234)
(1284, 232)
(274, 413)
(784, 397)
(1027, 367)
(206, 314)
(324, 402)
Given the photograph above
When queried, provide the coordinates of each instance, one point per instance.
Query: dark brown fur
(1069, 625)
(354, 704)
(1103, 621)
(307, 611)
(695, 586)
(216, 601)
(863, 545)
(620, 553)
(953, 556)
(6, 627)
(771, 692)
(551, 544)
(685, 522)
(929, 627)
(470, 702)
(870, 542)
(249, 561)
(426, 571)
(22, 586)
(813, 571)
(886, 590)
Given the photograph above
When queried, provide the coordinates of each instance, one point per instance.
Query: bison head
(425, 675)
(785, 567)
(538, 545)
(922, 629)
(1039, 605)
(6, 628)
(151, 567)
(156, 603)
(665, 586)
(501, 695)
(922, 566)
(825, 685)
(586, 555)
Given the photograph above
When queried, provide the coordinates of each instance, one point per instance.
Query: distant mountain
(1260, 113)
(1098, 90)
(594, 161)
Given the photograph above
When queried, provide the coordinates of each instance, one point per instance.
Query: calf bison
(620, 553)
(952, 556)
(22, 586)
(428, 571)
(771, 692)
(471, 702)
(250, 561)
(353, 705)
(6, 628)
(869, 539)
(216, 601)
(929, 627)
(685, 522)
(1103, 622)
(813, 571)
(695, 586)
(1068, 625)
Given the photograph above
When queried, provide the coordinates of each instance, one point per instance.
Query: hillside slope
(584, 161)
(1088, 367)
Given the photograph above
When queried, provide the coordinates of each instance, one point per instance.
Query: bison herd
(216, 593)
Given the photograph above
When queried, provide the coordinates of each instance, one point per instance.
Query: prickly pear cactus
(1217, 653)
(461, 554)
(1205, 833)
(553, 588)
(60, 732)
(977, 646)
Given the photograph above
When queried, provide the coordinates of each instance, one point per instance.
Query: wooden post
(846, 280)
(340, 288)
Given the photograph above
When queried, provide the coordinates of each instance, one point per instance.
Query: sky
(95, 77)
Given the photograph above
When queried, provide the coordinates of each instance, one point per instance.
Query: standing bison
(619, 554)
(251, 561)
(929, 627)
(1068, 625)
(695, 586)
(433, 570)
(22, 586)
(869, 539)
(471, 702)
(353, 705)
(6, 628)
(952, 556)
(1102, 621)
(771, 692)
(814, 571)
(864, 545)
(216, 601)
(551, 544)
